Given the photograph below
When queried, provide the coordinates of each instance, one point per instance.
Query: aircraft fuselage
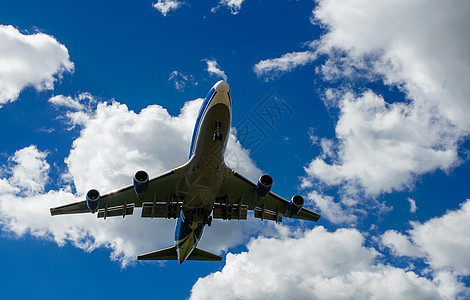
(201, 184)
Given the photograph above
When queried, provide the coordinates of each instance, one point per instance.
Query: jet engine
(295, 205)
(141, 182)
(265, 182)
(93, 200)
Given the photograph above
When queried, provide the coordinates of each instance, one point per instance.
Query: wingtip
(55, 211)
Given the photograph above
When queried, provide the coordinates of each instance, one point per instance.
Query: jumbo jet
(198, 191)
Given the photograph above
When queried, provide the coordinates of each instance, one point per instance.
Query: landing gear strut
(207, 221)
(190, 221)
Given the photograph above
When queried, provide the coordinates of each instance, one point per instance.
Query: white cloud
(443, 241)
(413, 206)
(76, 111)
(382, 147)
(285, 63)
(322, 265)
(114, 143)
(29, 170)
(29, 60)
(400, 244)
(237, 158)
(233, 5)
(335, 212)
(419, 46)
(179, 80)
(214, 69)
(165, 6)
(66, 101)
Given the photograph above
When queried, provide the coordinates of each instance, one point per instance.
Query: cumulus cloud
(420, 47)
(29, 170)
(214, 69)
(36, 60)
(285, 63)
(400, 244)
(114, 143)
(233, 5)
(442, 241)
(165, 6)
(322, 265)
(75, 110)
(335, 212)
(384, 145)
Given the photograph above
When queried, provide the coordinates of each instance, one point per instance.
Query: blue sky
(374, 135)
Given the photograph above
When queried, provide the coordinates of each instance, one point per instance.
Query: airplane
(202, 189)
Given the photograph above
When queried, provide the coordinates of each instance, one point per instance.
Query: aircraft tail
(164, 254)
(170, 254)
(199, 254)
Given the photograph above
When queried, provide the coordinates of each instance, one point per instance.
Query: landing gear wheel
(218, 137)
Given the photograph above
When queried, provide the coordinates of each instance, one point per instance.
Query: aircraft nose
(221, 86)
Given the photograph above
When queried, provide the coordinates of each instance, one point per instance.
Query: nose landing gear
(207, 221)
(217, 135)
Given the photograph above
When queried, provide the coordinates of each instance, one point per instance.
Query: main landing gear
(206, 221)
(217, 135)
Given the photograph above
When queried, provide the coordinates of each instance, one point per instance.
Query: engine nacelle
(141, 182)
(265, 182)
(93, 200)
(295, 205)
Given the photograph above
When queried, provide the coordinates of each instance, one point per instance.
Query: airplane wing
(156, 200)
(238, 194)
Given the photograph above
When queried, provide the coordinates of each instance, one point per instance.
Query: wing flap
(266, 214)
(115, 211)
(161, 210)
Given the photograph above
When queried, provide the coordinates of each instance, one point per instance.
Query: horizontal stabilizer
(170, 254)
(164, 254)
(199, 254)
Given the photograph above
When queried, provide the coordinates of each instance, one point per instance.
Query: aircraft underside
(202, 189)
